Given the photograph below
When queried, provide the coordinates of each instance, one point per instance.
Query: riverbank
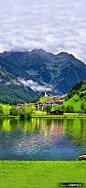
(41, 174)
(65, 115)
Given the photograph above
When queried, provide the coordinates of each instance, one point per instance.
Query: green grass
(39, 113)
(76, 101)
(66, 115)
(76, 104)
(41, 174)
(43, 99)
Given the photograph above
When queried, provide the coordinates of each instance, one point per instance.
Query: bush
(69, 109)
(82, 106)
(81, 95)
(78, 93)
(24, 111)
(1, 109)
(13, 111)
(81, 111)
(47, 108)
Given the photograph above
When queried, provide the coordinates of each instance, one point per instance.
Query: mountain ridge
(61, 71)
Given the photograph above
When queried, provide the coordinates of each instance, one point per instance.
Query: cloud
(13, 82)
(54, 26)
(1, 80)
(34, 85)
(8, 83)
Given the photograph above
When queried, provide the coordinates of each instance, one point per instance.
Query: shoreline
(65, 116)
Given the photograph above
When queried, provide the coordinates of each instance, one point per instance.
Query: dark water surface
(42, 139)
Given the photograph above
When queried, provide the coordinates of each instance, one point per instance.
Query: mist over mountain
(36, 70)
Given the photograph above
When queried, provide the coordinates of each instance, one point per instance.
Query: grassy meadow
(41, 174)
(75, 101)
(43, 99)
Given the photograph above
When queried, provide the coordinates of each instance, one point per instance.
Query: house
(56, 112)
(59, 102)
(18, 105)
(39, 105)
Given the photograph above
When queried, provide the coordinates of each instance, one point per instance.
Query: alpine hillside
(77, 96)
(35, 70)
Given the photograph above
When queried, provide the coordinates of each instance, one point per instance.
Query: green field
(75, 101)
(41, 114)
(64, 116)
(43, 99)
(41, 174)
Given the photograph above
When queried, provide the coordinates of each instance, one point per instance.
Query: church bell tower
(45, 93)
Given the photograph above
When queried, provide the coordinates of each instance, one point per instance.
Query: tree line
(23, 111)
(27, 112)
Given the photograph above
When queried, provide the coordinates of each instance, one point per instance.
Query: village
(51, 100)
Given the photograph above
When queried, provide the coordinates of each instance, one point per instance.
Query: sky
(52, 25)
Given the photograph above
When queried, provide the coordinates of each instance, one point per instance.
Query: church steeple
(45, 93)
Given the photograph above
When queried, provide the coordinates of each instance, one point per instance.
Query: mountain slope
(13, 90)
(77, 96)
(59, 72)
(76, 89)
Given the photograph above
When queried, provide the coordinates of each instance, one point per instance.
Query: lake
(42, 139)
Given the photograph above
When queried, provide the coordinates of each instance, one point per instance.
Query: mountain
(37, 70)
(11, 89)
(61, 71)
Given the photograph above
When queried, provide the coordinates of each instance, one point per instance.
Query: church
(45, 93)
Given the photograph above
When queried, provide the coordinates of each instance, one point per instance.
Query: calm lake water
(42, 139)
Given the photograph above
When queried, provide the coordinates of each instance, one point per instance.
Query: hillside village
(51, 100)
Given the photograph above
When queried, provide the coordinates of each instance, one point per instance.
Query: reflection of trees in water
(50, 126)
(27, 125)
(32, 125)
(76, 129)
(23, 125)
(6, 125)
(1, 125)
(43, 126)
(83, 128)
(57, 127)
(13, 124)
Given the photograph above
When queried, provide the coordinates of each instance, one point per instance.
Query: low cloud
(12, 82)
(34, 85)
(8, 83)
(16, 83)
(1, 80)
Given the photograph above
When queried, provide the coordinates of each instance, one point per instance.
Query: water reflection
(42, 139)
(44, 126)
(76, 129)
